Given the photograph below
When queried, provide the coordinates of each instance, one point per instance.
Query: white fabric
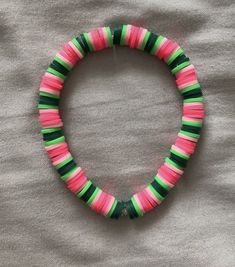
(122, 112)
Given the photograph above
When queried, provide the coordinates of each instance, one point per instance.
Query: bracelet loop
(180, 152)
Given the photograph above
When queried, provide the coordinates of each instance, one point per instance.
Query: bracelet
(54, 141)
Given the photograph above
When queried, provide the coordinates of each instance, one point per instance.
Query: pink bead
(186, 84)
(168, 174)
(186, 145)
(64, 59)
(145, 203)
(149, 198)
(140, 37)
(192, 113)
(187, 79)
(185, 71)
(108, 205)
(133, 37)
(62, 54)
(58, 151)
(104, 205)
(188, 138)
(54, 146)
(195, 105)
(103, 37)
(100, 202)
(56, 160)
(128, 33)
(155, 199)
(48, 117)
(69, 54)
(51, 82)
(51, 123)
(95, 201)
(173, 168)
(170, 49)
(54, 77)
(160, 52)
(75, 50)
(96, 40)
(190, 74)
(139, 203)
(77, 183)
(77, 175)
(75, 172)
(180, 150)
(44, 111)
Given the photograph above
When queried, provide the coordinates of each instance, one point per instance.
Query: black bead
(178, 60)
(191, 129)
(47, 100)
(131, 209)
(59, 67)
(117, 211)
(67, 167)
(85, 197)
(83, 39)
(160, 189)
(197, 92)
(117, 33)
(178, 160)
(84, 48)
(52, 136)
(151, 41)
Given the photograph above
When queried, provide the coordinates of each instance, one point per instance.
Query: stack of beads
(51, 122)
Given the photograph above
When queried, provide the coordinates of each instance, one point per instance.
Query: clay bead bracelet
(52, 126)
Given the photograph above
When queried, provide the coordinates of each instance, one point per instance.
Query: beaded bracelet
(51, 122)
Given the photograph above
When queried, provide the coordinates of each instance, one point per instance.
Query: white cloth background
(122, 112)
